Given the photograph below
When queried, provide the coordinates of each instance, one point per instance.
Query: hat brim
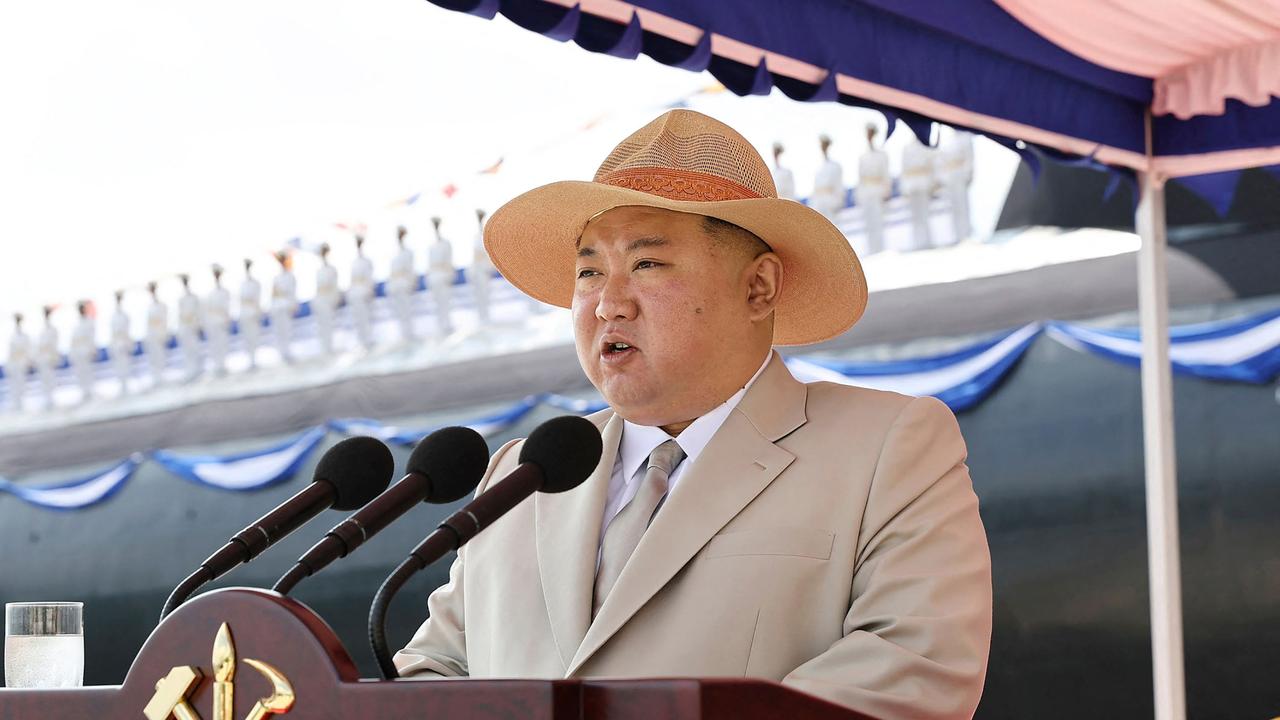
(532, 240)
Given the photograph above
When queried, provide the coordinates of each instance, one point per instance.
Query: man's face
(677, 300)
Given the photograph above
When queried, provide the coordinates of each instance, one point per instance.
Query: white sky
(143, 138)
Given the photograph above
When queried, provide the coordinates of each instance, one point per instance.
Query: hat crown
(685, 155)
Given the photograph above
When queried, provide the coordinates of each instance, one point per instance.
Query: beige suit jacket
(828, 537)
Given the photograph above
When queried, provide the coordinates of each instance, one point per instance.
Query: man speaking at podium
(740, 523)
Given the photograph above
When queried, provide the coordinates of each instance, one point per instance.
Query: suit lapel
(737, 465)
(568, 528)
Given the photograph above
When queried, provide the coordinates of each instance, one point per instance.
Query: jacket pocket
(793, 541)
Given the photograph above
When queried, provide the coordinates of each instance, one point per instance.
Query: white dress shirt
(639, 441)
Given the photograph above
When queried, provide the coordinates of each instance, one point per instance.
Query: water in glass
(44, 661)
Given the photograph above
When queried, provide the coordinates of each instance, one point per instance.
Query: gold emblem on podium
(172, 690)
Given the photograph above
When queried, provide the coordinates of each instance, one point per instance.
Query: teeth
(619, 346)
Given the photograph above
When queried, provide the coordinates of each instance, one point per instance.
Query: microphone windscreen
(454, 459)
(359, 468)
(567, 449)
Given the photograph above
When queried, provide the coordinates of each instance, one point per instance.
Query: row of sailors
(924, 170)
(211, 316)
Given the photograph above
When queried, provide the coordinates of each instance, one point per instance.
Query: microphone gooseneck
(445, 466)
(348, 475)
(557, 456)
(378, 616)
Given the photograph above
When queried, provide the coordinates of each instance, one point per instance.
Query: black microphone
(348, 475)
(445, 466)
(557, 456)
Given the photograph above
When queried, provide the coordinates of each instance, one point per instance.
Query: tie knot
(666, 457)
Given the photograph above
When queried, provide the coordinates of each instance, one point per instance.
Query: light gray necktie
(623, 534)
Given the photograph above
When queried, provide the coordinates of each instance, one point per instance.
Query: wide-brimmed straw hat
(687, 162)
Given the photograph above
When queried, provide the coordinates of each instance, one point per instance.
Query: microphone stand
(545, 465)
(184, 589)
(435, 546)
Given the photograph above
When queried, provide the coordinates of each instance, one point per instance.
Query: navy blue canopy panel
(967, 63)
(943, 51)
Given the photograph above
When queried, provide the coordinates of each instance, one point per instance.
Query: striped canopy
(1163, 88)
(1078, 78)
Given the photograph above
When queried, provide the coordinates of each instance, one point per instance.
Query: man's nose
(616, 301)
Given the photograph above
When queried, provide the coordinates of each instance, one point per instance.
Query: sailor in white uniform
(84, 349)
(440, 275)
(874, 187)
(955, 170)
(402, 285)
(156, 341)
(917, 185)
(360, 295)
(250, 320)
(217, 323)
(828, 186)
(284, 305)
(783, 179)
(480, 274)
(122, 344)
(18, 365)
(47, 356)
(189, 331)
(325, 304)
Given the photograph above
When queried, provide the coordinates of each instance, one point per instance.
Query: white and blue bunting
(247, 470)
(961, 379)
(1240, 350)
(76, 494)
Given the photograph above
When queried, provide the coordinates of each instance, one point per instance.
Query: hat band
(676, 184)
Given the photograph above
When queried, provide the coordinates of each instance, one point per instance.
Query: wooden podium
(257, 654)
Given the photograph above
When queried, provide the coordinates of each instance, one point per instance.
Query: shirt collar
(639, 441)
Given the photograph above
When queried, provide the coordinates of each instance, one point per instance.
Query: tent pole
(1161, 471)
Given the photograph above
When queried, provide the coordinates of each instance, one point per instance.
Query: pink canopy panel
(1199, 53)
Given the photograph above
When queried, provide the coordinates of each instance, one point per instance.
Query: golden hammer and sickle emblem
(171, 695)
(172, 691)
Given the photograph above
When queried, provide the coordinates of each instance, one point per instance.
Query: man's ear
(764, 283)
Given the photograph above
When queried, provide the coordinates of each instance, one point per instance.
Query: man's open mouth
(617, 349)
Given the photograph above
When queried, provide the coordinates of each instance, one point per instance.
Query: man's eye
(586, 272)
(646, 264)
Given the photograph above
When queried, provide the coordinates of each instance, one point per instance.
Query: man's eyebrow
(649, 241)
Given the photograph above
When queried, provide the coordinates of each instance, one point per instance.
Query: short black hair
(727, 232)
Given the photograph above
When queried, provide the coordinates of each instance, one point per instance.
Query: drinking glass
(43, 644)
